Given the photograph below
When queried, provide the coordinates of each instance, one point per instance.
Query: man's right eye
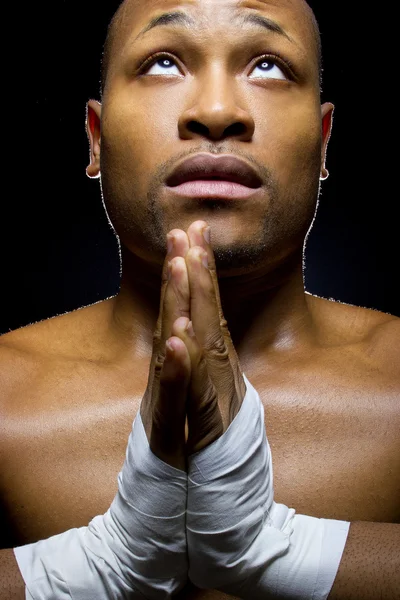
(160, 64)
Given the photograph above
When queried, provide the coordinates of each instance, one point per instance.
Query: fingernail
(170, 243)
(170, 347)
(189, 329)
(204, 260)
(207, 234)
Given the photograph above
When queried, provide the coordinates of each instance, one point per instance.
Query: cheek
(144, 117)
(124, 136)
(137, 135)
(297, 143)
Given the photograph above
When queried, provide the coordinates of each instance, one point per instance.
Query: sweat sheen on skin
(238, 539)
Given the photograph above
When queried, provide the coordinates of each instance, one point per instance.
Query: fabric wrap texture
(136, 550)
(239, 540)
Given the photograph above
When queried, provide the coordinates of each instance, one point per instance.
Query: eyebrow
(260, 21)
(180, 18)
(174, 18)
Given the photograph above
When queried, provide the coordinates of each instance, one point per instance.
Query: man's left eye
(266, 68)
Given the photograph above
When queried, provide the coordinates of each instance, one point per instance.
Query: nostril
(235, 129)
(196, 127)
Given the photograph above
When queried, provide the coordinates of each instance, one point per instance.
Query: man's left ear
(327, 119)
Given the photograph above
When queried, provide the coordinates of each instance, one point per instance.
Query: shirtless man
(327, 374)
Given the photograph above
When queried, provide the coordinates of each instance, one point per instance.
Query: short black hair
(117, 19)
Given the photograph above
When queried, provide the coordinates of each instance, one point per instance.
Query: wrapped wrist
(239, 540)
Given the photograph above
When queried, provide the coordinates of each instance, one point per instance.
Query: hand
(163, 407)
(216, 387)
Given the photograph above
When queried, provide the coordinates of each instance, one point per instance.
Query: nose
(215, 112)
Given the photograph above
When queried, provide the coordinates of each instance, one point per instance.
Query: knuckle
(216, 347)
(156, 340)
(223, 323)
(158, 363)
(157, 331)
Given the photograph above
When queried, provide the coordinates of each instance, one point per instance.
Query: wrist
(230, 495)
(239, 540)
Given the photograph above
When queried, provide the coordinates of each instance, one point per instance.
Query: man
(217, 81)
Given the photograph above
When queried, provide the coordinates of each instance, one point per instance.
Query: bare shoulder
(19, 366)
(72, 334)
(27, 353)
(373, 335)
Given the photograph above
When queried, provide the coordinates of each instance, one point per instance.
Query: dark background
(58, 251)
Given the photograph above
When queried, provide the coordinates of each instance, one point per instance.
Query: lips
(208, 167)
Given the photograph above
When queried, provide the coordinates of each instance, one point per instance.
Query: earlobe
(327, 119)
(93, 130)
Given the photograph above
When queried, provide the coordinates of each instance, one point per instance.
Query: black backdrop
(58, 252)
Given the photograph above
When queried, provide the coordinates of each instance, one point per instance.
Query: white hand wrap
(136, 550)
(239, 540)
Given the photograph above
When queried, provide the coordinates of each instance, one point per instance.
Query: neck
(267, 313)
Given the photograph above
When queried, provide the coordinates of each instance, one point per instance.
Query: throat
(274, 319)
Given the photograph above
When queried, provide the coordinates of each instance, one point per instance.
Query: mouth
(207, 176)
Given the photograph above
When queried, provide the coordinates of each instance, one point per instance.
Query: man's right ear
(93, 130)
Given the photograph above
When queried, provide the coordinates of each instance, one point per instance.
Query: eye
(162, 64)
(267, 68)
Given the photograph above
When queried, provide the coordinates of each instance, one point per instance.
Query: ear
(327, 120)
(93, 130)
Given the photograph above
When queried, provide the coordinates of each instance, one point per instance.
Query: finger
(199, 234)
(205, 318)
(179, 246)
(203, 302)
(205, 423)
(169, 311)
(167, 439)
(174, 301)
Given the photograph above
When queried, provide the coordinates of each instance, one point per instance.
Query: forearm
(12, 586)
(370, 566)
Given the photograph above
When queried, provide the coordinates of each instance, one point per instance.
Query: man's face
(220, 86)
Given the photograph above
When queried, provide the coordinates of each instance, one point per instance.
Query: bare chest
(335, 448)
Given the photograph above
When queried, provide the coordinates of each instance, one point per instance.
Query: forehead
(293, 15)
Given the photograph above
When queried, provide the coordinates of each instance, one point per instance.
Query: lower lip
(213, 189)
